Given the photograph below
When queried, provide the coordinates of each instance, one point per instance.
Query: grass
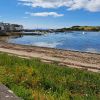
(32, 79)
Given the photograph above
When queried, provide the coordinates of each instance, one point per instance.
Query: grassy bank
(34, 80)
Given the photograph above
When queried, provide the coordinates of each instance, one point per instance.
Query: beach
(75, 59)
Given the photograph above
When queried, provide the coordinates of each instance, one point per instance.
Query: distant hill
(80, 28)
(73, 28)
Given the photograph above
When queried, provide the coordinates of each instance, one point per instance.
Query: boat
(83, 33)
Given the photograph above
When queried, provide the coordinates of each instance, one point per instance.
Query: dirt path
(87, 61)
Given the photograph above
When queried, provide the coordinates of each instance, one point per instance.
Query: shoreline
(76, 59)
(87, 52)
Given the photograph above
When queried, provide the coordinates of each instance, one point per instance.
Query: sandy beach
(86, 61)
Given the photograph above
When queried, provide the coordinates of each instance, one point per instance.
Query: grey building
(7, 27)
(1, 27)
(16, 27)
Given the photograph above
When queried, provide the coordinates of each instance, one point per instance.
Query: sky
(50, 13)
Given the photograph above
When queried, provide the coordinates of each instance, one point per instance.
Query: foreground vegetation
(34, 80)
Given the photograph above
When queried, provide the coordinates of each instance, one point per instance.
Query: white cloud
(94, 5)
(90, 5)
(44, 14)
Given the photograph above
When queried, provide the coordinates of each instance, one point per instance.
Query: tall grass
(32, 79)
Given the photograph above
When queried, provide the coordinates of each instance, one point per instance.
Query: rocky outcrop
(6, 94)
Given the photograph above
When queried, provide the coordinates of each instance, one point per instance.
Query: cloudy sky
(50, 13)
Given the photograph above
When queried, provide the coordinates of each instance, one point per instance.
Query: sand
(83, 60)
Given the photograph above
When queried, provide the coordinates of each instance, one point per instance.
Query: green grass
(35, 80)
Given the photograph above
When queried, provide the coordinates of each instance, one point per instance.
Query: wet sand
(86, 61)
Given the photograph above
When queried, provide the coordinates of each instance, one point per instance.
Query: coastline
(75, 59)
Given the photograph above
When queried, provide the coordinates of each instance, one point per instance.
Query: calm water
(88, 41)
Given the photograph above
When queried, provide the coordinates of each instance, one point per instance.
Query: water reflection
(7, 38)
